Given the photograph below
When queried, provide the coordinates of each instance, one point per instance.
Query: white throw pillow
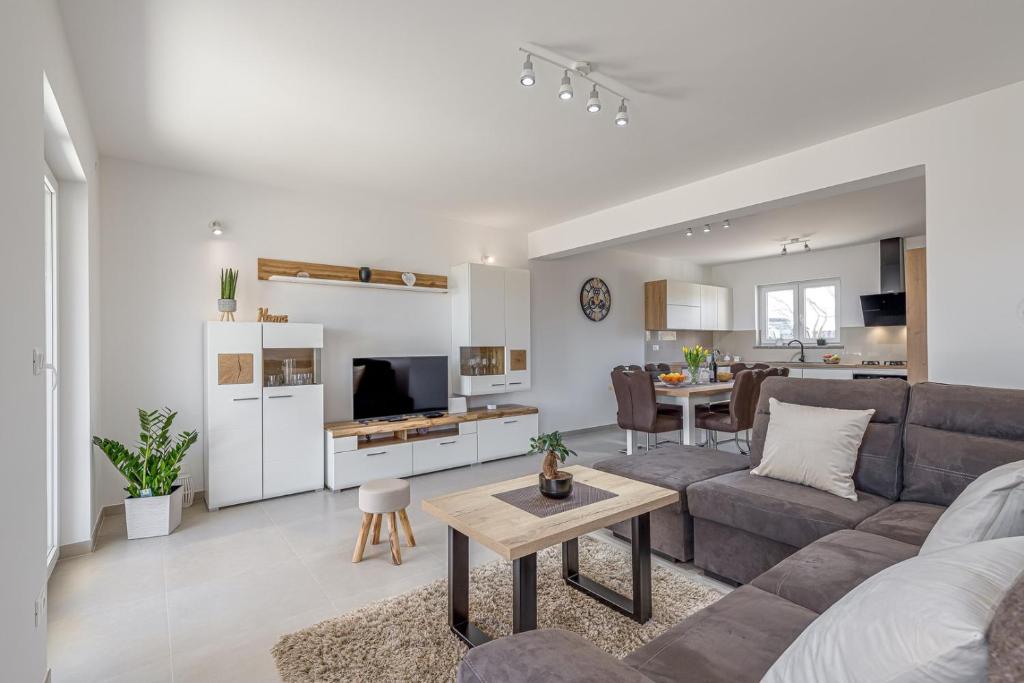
(813, 446)
(992, 506)
(924, 619)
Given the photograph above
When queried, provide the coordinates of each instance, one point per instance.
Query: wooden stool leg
(408, 528)
(376, 529)
(396, 553)
(364, 531)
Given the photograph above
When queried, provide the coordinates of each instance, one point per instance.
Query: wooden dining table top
(692, 389)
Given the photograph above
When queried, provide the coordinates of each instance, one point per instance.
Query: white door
(517, 329)
(50, 363)
(293, 423)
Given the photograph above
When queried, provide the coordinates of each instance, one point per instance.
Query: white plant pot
(227, 305)
(155, 516)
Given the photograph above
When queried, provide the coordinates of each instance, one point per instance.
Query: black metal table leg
(458, 591)
(639, 607)
(524, 593)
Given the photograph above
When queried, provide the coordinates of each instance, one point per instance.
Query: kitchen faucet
(797, 341)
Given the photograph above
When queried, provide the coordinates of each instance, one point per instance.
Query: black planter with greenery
(552, 482)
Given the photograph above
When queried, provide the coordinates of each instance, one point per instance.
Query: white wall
(160, 282)
(973, 155)
(573, 355)
(31, 43)
(857, 267)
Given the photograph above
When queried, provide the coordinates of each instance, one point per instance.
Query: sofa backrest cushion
(956, 433)
(879, 459)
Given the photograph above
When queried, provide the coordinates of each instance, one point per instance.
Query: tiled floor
(209, 601)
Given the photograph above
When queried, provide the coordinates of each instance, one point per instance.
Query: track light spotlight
(707, 227)
(526, 77)
(689, 232)
(594, 103)
(725, 225)
(622, 118)
(565, 92)
(807, 247)
(217, 228)
(784, 250)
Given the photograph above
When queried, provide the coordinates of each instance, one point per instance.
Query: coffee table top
(514, 533)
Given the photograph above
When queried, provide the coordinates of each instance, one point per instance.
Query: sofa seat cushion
(907, 522)
(818, 575)
(675, 467)
(543, 655)
(780, 510)
(735, 639)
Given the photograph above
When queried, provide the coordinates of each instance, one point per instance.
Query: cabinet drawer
(439, 454)
(517, 380)
(826, 373)
(482, 385)
(504, 437)
(352, 468)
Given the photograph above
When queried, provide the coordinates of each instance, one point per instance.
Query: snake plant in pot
(553, 483)
(153, 504)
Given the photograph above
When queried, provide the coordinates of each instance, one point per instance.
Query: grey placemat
(530, 499)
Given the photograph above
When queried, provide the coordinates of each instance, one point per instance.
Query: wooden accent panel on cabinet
(915, 263)
(655, 305)
(517, 359)
(234, 368)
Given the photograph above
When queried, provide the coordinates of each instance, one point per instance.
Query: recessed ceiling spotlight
(594, 103)
(707, 227)
(216, 228)
(622, 118)
(526, 77)
(689, 232)
(726, 225)
(565, 91)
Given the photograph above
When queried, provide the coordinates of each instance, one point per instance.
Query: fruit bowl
(672, 379)
(831, 359)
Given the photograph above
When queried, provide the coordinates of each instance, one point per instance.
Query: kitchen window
(807, 310)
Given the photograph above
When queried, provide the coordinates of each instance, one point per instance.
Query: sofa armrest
(544, 655)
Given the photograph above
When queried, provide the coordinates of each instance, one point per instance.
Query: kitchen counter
(788, 364)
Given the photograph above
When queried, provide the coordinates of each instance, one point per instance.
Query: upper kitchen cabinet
(674, 305)
(490, 329)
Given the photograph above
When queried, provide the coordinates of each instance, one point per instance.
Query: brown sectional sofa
(798, 550)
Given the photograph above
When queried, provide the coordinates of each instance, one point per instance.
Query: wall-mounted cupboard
(676, 305)
(490, 329)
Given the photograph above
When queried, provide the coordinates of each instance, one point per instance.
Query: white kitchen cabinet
(709, 307)
(505, 437)
(431, 455)
(682, 293)
(683, 317)
(490, 329)
(724, 308)
(293, 421)
(261, 441)
(823, 373)
(352, 468)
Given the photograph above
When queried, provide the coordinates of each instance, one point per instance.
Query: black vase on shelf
(365, 274)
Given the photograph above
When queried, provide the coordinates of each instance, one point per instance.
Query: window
(806, 311)
(50, 353)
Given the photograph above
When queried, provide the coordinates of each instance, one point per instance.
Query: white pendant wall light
(527, 77)
(565, 91)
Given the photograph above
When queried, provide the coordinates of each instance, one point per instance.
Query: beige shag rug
(406, 638)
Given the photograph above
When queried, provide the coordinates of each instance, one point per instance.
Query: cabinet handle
(498, 385)
(447, 443)
(509, 422)
(247, 398)
(281, 396)
(511, 383)
(377, 453)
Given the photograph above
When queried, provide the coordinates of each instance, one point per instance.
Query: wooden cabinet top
(357, 428)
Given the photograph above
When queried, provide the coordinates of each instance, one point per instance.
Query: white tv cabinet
(261, 441)
(356, 452)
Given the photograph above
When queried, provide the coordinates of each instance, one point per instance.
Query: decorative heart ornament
(409, 279)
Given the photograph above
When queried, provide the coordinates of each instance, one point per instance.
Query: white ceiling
(893, 210)
(419, 102)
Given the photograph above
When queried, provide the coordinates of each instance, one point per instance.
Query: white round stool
(378, 498)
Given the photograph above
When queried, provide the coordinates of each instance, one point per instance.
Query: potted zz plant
(226, 304)
(553, 484)
(153, 504)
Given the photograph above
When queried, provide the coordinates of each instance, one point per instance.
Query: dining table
(689, 396)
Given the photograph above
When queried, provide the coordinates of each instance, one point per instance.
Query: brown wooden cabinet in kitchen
(915, 265)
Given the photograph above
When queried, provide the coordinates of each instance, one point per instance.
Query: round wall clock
(595, 299)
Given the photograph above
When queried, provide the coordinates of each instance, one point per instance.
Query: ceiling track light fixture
(725, 225)
(583, 70)
(689, 232)
(217, 228)
(794, 242)
(707, 227)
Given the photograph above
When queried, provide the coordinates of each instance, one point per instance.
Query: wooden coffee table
(517, 534)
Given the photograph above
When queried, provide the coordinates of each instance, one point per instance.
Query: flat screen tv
(386, 387)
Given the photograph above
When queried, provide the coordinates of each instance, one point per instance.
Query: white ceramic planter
(156, 516)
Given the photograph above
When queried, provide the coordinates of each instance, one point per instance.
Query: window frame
(799, 314)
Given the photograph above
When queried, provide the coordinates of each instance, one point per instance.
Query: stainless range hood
(890, 306)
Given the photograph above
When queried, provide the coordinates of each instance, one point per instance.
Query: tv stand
(418, 444)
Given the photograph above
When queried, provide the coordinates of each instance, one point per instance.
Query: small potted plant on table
(153, 504)
(553, 484)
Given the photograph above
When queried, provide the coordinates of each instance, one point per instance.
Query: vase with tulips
(694, 357)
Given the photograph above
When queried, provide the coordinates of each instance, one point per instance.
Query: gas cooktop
(889, 363)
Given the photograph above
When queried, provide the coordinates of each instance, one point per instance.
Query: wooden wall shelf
(346, 276)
